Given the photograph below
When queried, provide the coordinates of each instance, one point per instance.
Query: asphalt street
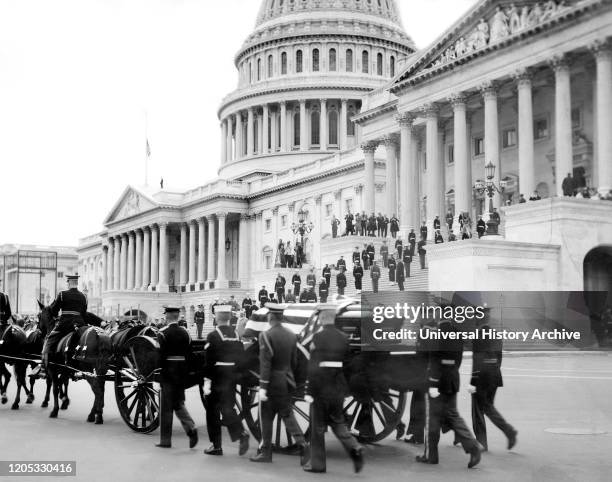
(561, 406)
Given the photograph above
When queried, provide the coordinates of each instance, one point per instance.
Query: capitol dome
(301, 76)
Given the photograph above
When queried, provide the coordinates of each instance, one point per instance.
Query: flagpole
(148, 149)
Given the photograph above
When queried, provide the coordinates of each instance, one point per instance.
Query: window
(60, 274)
(540, 129)
(329, 210)
(296, 129)
(284, 63)
(478, 146)
(298, 61)
(258, 69)
(315, 60)
(315, 119)
(365, 60)
(349, 60)
(332, 60)
(268, 257)
(576, 118)
(392, 66)
(349, 205)
(509, 138)
(268, 225)
(284, 221)
(379, 64)
(451, 154)
(333, 127)
(270, 66)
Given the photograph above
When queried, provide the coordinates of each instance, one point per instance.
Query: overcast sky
(76, 78)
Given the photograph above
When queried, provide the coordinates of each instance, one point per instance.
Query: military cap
(72, 277)
(171, 309)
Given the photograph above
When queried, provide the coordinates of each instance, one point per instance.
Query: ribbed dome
(273, 9)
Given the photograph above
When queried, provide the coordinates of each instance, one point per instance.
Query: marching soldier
(327, 274)
(358, 275)
(326, 388)
(384, 252)
(486, 379)
(277, 359)
(375, 275)
(296, 281)
(323, 290)
(175, 345)
(199, 318)
(224, 353)
(341, 281)
(263, 296)
(443, 365)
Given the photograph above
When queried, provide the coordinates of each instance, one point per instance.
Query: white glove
(308, 399)
(263, 395)
(472, 390)
(207, 387)
(434, 392)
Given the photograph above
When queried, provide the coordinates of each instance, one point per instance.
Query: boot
(475, 455)
(263, 456)
(244, 443)
(212, 450)
(193, 438)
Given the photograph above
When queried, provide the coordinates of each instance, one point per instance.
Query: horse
(13, 341)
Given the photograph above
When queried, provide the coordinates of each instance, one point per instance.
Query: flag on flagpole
(148, 149)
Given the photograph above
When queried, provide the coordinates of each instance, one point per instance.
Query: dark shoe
(193, 438)
(411, 439)
(304, 453)
(512, 439)
(400, 430)
(262, 457)
(212, 450)
(163, 446)
(475, 456)
(308, 468)
(426, 460)
(244, 444)
(357, 458)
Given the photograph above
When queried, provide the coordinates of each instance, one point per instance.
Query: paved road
(543, 395)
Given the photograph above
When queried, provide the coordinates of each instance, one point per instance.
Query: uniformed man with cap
(262, 296)
(73, 306)
(175, 345)
(247, 305)
(277, 361)
(375, 275)
(199, 318)
(326, 388)
(341, 263)
(323, 290)
(358, 275)
(224, 353)
(341, 281)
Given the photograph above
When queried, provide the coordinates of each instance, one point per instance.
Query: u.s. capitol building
(337, 110)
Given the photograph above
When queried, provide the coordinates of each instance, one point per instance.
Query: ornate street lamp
(490, 188)
(302, 228)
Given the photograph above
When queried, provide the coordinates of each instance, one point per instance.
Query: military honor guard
(436, 224)
(392, 266)
(341, 281)
(400, 274)
(296, 282)
(279, 287)
(311, 278)
(384, 253)
(308, 295)
(356, 255)
(358, 275)
(277, 360)
(323, 290)
(247, 305)
(407, 259)
(224, 354)
(175, 345)
(327, 274)
(422, 252)
(341, 263)
(375, 275)
(412, 242)
(481, 227)
(424, 231)
(199, 318)
(365, 258)
(263, 296)
(326, 388)
(399, 248)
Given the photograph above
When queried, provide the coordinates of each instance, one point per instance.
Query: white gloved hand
(472, 390)
(263, 395)
(207, 386)
(308, 399)
(434, 392)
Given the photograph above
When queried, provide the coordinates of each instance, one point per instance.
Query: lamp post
(490, 188)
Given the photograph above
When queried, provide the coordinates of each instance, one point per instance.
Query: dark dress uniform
(392, 265)
(224, 354)
(375, 275)
(412, 241)
(481, 228)
(384, 252)
(341, 263)
(5, 308)
(444, 361)
(356, 257)
(424, 232)
(279, 288)
(277, 360)
(308, 296)
(365, 259)
(199, 318)
(296, 281)
(487, 378)
(400, 275)
(328, 387)
(407, 260)
(422, 253)
(436, 224)
(341, 282)
(358, 275)
(311, 279)
(73, 305)
(247, 306)
(327, 274)
(399, 247)
(416, 425)
(323, 292)
(394, 226)
(371, 254)
(175, 345)
(263, 297)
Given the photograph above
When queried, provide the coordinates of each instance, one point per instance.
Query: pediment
(131, 203)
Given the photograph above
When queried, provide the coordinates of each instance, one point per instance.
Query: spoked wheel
(136, 389)
(373, 420)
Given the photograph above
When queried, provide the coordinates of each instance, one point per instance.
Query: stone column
(283, 126)
(138, 262)
(154, 258)
(526, 160)
(343, 125)
(463, 166)
(229, 147)
(124, 261)
(211, 247)
(193, 262)
(260, 143)
(303, 127)
(263, 148)
(239, 151)
(603, 56)
(117, 264)
(250, 132)
(109, 265)
(491, 135)
(130, 261)
(146, 258)
(339, 212)
(104, 268)
(274, 133)
(564, 162)
(409, 176)
(201, 253)
(369, 187)
(323, 126)
(223, 142)
(434, 171)
(183, 256)
(163, 259)
(221, 277)
(243, 250)
(391, 174)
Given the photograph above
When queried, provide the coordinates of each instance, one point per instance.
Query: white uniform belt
(490, 360)
(224, 364)
(448, 362)
(75, 313)
(175, 358)
(330, 364)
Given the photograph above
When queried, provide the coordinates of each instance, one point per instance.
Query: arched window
(258, 69)
(365, 60)
(379, 64)
(298, 61)
(315, 134)
(350, 126)
(284, 63)
(270, 66)
(392, 66)
(349, 60)
(296, 129)
(332, 60)
(315, 60)
(333, 127)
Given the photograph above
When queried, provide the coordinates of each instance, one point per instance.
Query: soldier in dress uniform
(323, 290)
(348, 219)
(375, 275)
(341, 263)
(279, 287)
(444, 361)
(199, 318)
(412, 241)
(224, 353)
(309, 295)
(277, 360)
(384, 252)
(175, 345)
(365, 257)
(424, 231)
(327, 274)
(296, 281)
(407, 259)
(422, 252)
(326, 388)
(481, 227)
(399, 248)
(486, 379)
(311, 278)
(392, 265)
(247, 305)
(371, 253)
(358, 275)
(73, 306)
(436, 223)
(400, 275)
(263, 296)
(341, 281)
(395, 223)
(356, 255)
